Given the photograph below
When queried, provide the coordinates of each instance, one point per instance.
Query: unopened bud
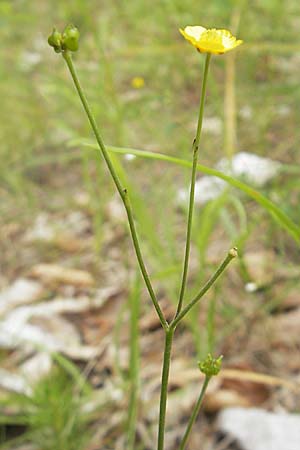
(233, 252)
(55, 40)
(210, 366)
(70, 38)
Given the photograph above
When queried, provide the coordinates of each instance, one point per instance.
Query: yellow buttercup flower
(212, 40)
(138, 82)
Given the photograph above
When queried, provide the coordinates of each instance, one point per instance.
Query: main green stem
(169, 333)
(164, 388)
(123, 192)
(194, 414)
(168, 329)
(192, 188)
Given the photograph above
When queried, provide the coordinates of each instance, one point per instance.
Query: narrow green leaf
(270, 207)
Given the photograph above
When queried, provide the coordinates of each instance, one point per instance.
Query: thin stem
(192, 188)
(164, 388)
(194, 414)
(123, 192)
(134, 361)
(231, 254)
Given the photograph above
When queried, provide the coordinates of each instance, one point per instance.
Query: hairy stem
(192, 188)
(194, 414)
(122, 191)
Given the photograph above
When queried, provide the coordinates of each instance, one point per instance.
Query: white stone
(41, 327)
(206, 188)
(256, 429)
(255, 169)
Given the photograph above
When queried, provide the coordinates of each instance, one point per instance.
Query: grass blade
(280, 217)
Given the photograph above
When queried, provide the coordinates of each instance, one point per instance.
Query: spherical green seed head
(210, 366)
(70, 38)
(55, 40)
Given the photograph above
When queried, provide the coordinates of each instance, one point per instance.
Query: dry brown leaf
(150, 321)
(232, 387)
(284, 334)
(260, 378)
(21, 291)
(288, 298)
(183, 374)
(69, 243)
(244, 388)
(55, 274)
(224, 398)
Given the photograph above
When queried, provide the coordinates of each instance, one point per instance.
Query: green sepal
(70, 38)
(210, 366)
(55, 40)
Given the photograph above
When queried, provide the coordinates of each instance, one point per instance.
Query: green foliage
(277, 213)
(33, 135)
(52, 414)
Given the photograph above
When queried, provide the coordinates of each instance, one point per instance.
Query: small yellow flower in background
(137, 82)
(212, 40)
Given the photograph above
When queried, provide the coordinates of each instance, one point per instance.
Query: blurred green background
(252, 105)
(40, 113)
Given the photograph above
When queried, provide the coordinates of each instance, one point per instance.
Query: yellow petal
(217, 41)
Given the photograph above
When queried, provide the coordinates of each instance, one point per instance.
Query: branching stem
(192, 188)
(122, 191)
(231, 254)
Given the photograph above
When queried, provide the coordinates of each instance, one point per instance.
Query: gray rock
(256, 429)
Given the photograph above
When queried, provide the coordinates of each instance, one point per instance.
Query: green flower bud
(55, 39)
(210, 366)
(70, 38)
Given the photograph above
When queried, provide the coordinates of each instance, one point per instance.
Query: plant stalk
(192, 188)
(123, 192)
(164, 388)
(231, 254)
(134, 361)
(194, 413)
